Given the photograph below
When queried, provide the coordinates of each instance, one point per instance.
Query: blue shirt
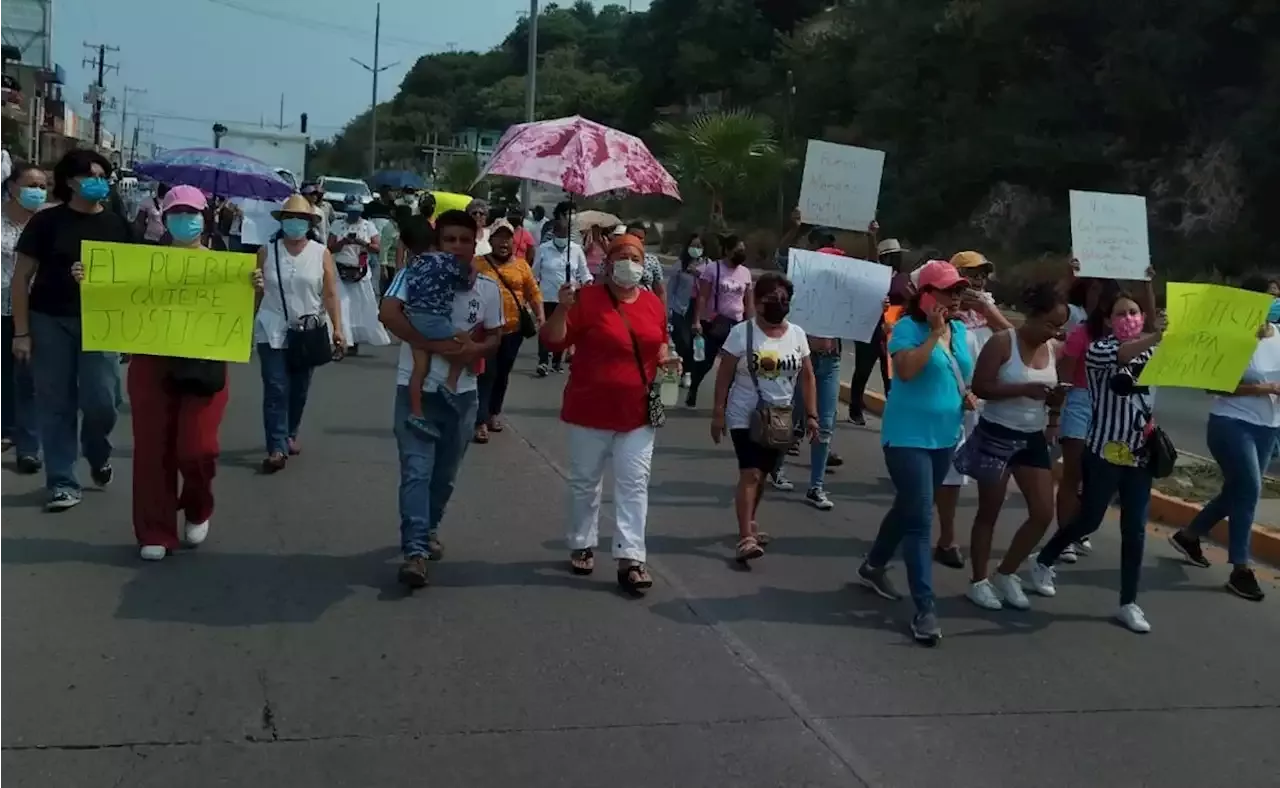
(926, 412)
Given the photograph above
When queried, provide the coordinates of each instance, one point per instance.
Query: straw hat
(298, 207)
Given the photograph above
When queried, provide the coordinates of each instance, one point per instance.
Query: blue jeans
(826, 375)
(1243, 451)
(284, 397)
(915, 474)
(20, 416)
(73, 387)
(1102, 481)
(428, 468)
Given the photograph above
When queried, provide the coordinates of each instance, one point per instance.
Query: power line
(188, 119)
(97, 91)
(311, 24)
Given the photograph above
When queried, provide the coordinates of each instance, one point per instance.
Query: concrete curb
(1165, 509)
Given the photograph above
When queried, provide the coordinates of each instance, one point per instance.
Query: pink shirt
(1077, 344)
(729, 285)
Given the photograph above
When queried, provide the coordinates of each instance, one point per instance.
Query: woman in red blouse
(619, 331)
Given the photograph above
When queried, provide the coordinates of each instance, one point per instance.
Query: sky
(229, 61)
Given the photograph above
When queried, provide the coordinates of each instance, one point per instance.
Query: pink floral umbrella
(580, 156)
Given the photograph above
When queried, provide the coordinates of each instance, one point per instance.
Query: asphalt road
(282, 653)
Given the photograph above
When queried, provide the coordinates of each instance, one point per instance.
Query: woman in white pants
(619, 332)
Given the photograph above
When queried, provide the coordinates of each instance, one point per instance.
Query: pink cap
(187, 196)
(938, 274)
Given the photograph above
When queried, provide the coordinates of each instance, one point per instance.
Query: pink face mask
(1127, 328)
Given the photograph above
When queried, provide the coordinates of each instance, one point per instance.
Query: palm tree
(732, 152)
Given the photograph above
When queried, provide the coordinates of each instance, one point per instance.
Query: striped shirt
(1118, 429)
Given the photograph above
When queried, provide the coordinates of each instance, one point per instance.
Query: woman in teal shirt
(922, 423)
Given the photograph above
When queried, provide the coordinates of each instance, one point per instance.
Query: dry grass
(1198, 482)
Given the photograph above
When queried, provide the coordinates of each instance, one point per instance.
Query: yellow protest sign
(167, 301)
(448, 201)
(1212, 333)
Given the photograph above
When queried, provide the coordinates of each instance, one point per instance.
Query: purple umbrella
(216, 171)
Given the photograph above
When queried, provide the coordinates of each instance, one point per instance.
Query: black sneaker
(104, 475)
(834, 460)
(413, 572)
(1244, 585)
(858, 419)
(878, 580)
(542, 370)
(1190, 548)
(950, 557)
(27, 465)
(558, 368)
(925, 629)
(62, 500)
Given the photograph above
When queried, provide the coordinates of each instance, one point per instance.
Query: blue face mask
(95, 189)
(560, 243)
(1273, 314)
(184, 227)
(295, 229)
(31, 197)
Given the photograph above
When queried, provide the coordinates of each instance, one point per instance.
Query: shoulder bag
(720, 325)
(656, 412)
(307, 344)
(195, 377)
(770, 425)
(528, 323)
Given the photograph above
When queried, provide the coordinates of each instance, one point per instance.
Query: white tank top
(1021, 413)
(301, 278)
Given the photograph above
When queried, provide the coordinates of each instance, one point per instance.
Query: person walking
(557, 262)
(620, 332)
(764, 362)
(682, 304)
(1016, 377)
(300, 293)
(183, 401)
(867, 354)
(1116, 460)
(921, 426)
(355, 245)
(428, 467)
(522, 308)
(73, 387)
(25, 191)
(1242, 433)
(724, 300)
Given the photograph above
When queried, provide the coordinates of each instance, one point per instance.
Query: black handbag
(656, 412)
(718, 328)
(528, 323)
(196, 377)
(307, 345)
(1162, 456)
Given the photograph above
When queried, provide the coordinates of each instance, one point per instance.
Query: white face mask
(626, 273)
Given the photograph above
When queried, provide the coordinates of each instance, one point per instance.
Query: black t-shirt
(52, 238)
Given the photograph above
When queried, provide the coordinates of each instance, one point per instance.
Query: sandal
(749, 549)
(582, 562)
(634, 578)
(763, 539)
(495, 424)
(482, 434)
(274, 462)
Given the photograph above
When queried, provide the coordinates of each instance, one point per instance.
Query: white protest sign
(257, 225)
(1109, 235)
(837, 297)
(841, 185)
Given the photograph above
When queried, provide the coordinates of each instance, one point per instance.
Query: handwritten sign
(841, 185)
(1109, 235)
(167, 301)
(837, 297)
(1212, 333)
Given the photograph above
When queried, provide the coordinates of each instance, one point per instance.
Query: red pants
(172, 435)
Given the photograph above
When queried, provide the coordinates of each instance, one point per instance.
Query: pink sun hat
(186, 196)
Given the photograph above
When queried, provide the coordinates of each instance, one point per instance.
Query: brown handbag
(770, 425)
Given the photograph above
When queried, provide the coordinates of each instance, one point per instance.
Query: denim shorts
(1076, 413)
(433, 327)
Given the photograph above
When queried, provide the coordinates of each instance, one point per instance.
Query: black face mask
(738, 258)
(774, 311)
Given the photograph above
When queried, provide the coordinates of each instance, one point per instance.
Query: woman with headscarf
(300, 288)
(183, 401)
(620, 333)
(355, 246)
(724, 300)
(73, 387)
(25, 193)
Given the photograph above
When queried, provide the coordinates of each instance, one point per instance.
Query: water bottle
(669, 391)
(699, 349)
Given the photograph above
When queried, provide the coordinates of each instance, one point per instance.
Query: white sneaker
(983, 595)
(1009, 587)
(686, 380)
(195, 533)
(780, 481)
(1084, 546)
(1132, 617)
(1069, 555)
(152, 552)
(1042, 579)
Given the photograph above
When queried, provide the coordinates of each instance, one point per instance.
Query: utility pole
(281, 112)
(530, 87)
(124, 118)
(97, 92)
(375, 70)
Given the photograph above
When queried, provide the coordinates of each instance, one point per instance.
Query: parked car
(336, 190)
